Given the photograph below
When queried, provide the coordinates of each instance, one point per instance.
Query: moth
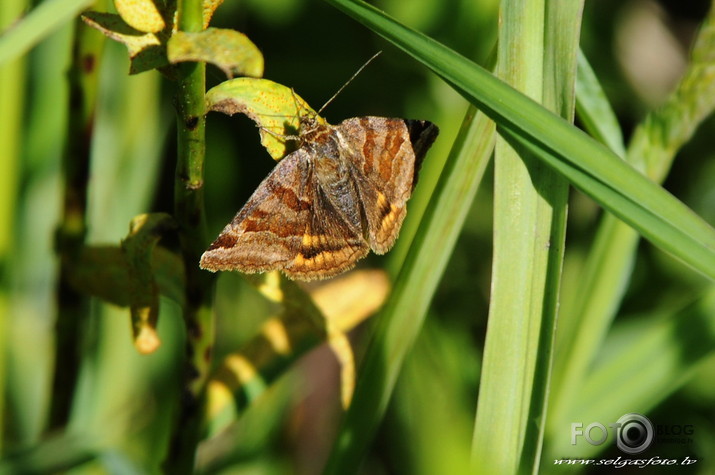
(325, 205)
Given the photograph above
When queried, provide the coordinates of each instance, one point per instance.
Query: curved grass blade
(598, 172)
(594, 110)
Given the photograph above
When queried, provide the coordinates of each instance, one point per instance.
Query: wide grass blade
(538, 44)
(12, 105)
(520, 260)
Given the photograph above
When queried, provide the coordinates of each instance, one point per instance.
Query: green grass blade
(129, 135)
(595, 111)
(583, 324)
(652, 211)
(562, 34)
(653, 225)
(46, 18)
(538, 44)
(55, 454)
(33, 267)
(12, 104)
(519, 265)
(402, 318)
(603, 280)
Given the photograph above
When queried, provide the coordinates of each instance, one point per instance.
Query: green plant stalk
(610, 262)
(563, 31)
(72, 305)
(518, 268)
(11, 115)
(400, 321)
(529, 227)
(191, 218)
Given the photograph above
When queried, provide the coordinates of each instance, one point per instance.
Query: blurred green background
(125, 403)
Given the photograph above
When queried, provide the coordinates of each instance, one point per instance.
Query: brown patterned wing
(329, 244)
(386, 154)
(287, 225)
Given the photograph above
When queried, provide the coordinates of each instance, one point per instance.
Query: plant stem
(191, 218)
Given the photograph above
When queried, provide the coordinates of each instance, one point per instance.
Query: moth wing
(329, 244)
(387, 154)
(285, 225)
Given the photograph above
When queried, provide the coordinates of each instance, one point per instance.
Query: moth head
(308, 122)
(312, 128)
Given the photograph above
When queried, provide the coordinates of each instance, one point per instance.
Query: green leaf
(229, 50)
(605, 275)
(584, 162)
(520, 259)
(54, 454)
(538, 42)
(130, 276)
(209, 7)
(276, 110)
(101, 271)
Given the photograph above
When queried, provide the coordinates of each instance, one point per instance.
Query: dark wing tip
(422, 135)
(211, 259)
(223, 241)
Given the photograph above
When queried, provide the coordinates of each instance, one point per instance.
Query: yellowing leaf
(276, 110)
(229, 50)
(345, 302)
(141, 14)
(146, 50)
(350, 299)
(210, 7)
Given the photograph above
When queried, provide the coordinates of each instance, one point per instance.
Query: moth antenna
(298, 106)
(278, 135)
(349, 81)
